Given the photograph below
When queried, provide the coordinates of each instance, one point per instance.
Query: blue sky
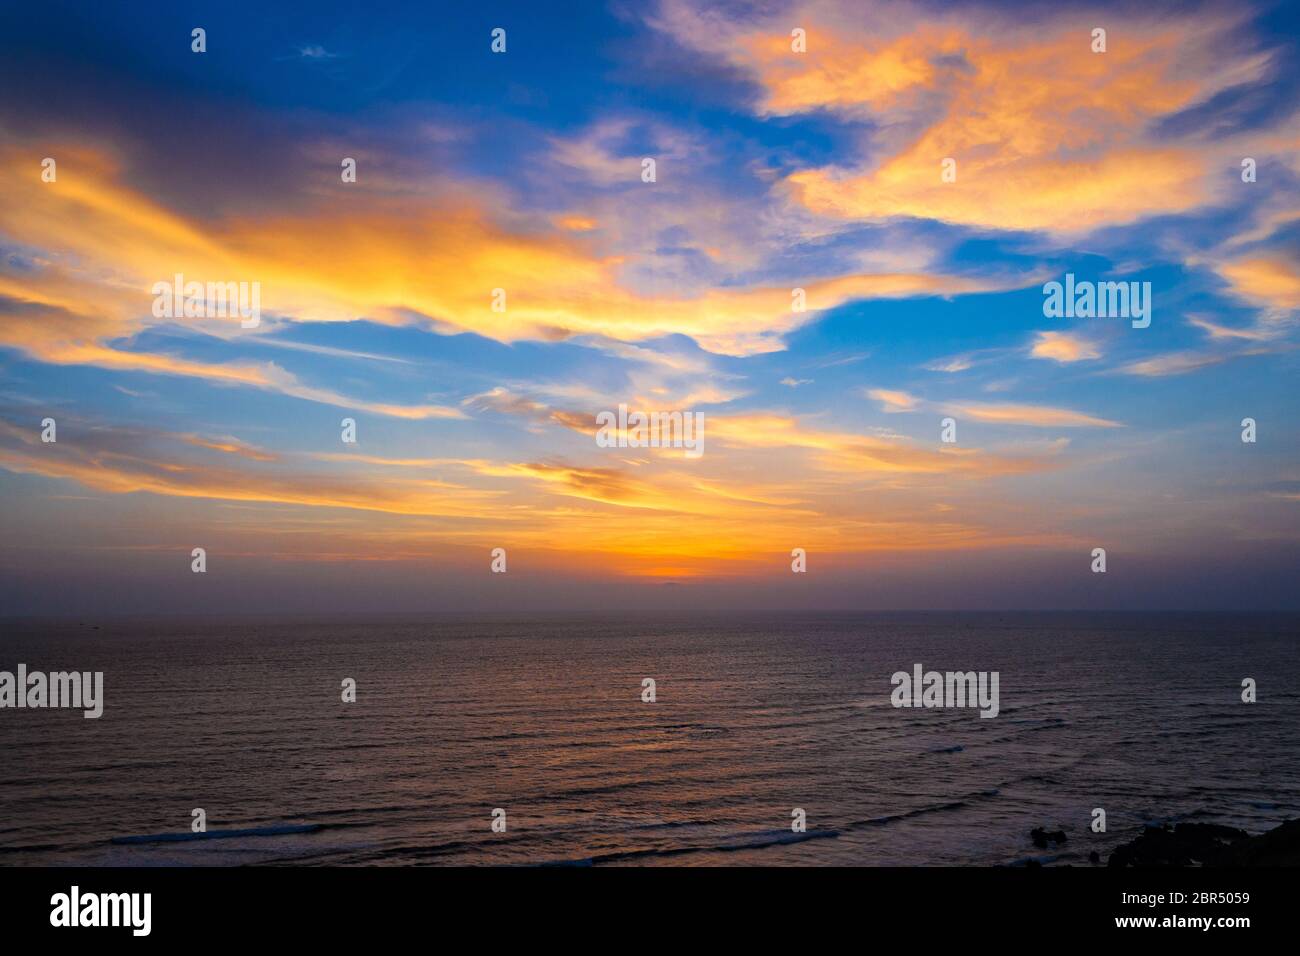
(776, 170)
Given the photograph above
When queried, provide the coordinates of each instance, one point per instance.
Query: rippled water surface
(1138, 714)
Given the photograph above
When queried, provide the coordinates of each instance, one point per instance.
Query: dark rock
(1094, 857)
(1210, 844)
(1042, 837)
(1278, 847)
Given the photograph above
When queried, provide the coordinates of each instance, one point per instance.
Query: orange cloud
(1063, 347)
(231, 446)
(576, 223)
(717, 516)
(862, 455)
(894, 401)
(125, 463)
(1038, 415)
(1045, 133)
(1270, 280)
(383, 257)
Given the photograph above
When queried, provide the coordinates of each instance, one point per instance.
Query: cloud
(347, 255)
(505, 402)
(862, 455)
(1027, 110)
(958, 363)
(1216, 331)
(576, 223)
(1040, 416)
(1063, 347)
(1173, 363)
(1266, 277)
(837, 360)
(967, 360)
(127, 461)
(610, 152)
(231, 446)
(1271, 281)
(893, 401)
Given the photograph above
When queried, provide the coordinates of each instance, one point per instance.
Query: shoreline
(1191, 844)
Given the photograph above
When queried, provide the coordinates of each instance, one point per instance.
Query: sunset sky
(522, 171)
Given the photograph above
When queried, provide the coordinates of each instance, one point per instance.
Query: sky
(823, 170)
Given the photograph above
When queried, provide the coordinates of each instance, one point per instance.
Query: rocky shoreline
(1210, 844)
(1193, 844)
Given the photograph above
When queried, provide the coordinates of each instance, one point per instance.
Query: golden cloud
(1063, 347)
(1045, 133)
(1270, 280)
(1041, 416)
(104, 244)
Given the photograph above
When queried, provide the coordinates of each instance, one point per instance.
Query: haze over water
(1140, 714)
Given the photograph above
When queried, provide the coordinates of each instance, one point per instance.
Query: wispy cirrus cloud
(998, 413)
(1039, 416)
(1173, 363)
(1221, 332)
(127, 461)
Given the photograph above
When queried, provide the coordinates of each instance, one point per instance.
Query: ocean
(755, 717)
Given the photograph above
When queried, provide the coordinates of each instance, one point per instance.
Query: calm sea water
(1138, 714)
